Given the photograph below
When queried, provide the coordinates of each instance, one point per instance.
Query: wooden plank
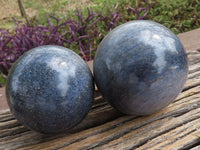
(122, 131)
(179, 138)
(196, 148)
(136, 138)
(190, 39)
(3, 102)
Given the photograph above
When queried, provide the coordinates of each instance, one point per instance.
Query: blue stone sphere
(140, 67)
(50, 89)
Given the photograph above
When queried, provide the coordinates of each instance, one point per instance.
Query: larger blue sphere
(50, 89)
(140, 67)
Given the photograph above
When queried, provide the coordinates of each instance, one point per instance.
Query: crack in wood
(142, 143)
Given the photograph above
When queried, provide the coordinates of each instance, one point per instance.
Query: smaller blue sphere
(50, 89)
(140, 67)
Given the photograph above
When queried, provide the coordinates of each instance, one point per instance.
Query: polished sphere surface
(140, 67)
(50, 89)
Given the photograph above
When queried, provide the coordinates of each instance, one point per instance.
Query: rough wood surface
(175, 127)
(3, 102)
(190, 39)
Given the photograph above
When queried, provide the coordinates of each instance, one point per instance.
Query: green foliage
(177, 15)
(2, 80)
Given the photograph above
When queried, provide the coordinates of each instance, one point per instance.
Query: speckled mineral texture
(50, 89)
(140, 67)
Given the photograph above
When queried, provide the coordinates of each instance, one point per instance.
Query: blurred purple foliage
(24, 38)
(142, 12)
(82, 32)
(111, 20)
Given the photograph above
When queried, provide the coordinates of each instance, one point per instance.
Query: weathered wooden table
(175, 127)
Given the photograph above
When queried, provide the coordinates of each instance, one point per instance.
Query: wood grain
(190, 39)
(175, 127)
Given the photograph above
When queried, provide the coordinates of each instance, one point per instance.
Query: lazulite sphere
(140, 67)
(50, 89)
